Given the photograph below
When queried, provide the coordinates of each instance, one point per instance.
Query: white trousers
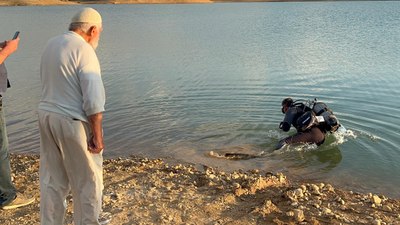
(67, 165)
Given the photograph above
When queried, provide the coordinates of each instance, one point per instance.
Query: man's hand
(96, 143)
(8, 48)
(280, 144)
(95, 146)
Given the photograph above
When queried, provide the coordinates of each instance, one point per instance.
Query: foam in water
(275, 134)
(342, 136)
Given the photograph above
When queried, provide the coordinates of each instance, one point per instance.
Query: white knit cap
(87, 15)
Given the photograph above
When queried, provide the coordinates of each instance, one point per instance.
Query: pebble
(235, 176)
(329, 188)
(236, 185)
(375, 199)
(387, 208)
(316, 206)
(369, 217)
(340, 200)
(315, 189)
(212, 176)
(326, 211)
(299, 215)
(290, 213)
(299, 193)
(255, 171)
(281, 177)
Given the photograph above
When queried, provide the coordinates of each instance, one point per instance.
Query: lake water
(184, 80)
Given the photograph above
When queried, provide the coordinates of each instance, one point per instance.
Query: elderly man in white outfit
(70, 122)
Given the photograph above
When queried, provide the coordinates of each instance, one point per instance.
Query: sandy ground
(151, 191)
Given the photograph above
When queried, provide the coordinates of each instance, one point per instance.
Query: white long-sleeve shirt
(71, 78)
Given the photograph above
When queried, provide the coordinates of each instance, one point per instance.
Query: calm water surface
(184, 80)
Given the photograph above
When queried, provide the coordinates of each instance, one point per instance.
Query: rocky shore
(152, 191)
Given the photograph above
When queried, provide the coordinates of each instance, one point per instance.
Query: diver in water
(312, 121)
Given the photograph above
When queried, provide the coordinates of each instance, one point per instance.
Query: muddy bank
(151, 191)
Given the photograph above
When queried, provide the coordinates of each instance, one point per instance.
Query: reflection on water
(322, 159)
(184, 80)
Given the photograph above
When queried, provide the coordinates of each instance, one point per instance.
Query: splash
(342, 135)
(337, 138)
(275, 134)
(370, 136)
(299, 148)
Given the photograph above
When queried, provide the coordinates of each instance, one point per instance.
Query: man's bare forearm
(96, 143)
(7, 48)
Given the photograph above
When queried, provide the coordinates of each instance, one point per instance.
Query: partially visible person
(9, 197)
(312, 122)
(70, 122)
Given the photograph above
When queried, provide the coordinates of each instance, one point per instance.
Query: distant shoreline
(82, 2)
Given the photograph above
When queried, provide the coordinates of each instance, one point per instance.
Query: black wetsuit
(315, 134)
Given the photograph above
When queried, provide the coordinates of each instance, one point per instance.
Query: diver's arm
(290, 116)
(280, 144)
